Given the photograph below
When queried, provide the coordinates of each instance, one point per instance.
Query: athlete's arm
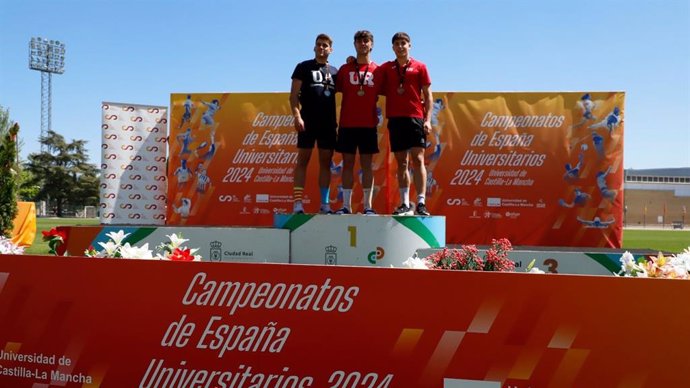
(428, 101)
(294, 104)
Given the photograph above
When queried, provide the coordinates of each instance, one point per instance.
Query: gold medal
(401, 90)
(360, 92)
(327, 93)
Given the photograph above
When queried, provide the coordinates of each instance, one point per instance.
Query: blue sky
(141, 51)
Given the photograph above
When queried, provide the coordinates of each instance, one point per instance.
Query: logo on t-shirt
(368, 78)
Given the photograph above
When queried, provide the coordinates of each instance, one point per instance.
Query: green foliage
(27, 190)
(63, 174)
(8, 172)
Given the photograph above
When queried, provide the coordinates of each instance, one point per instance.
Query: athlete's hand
(427, 126)
(299, 124)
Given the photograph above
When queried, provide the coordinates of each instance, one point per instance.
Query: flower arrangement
(172, 250)
(660, 266)
(467, 258)
(7, 247)
(496, 258)
(55, 239)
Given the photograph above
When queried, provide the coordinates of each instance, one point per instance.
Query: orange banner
(74, 322)
(232, 158)
(24, 227)
(543, 169)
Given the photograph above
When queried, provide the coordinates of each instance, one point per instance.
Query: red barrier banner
(131, 323)
(542, 169)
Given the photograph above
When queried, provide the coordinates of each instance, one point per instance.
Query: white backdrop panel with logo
(133, 159)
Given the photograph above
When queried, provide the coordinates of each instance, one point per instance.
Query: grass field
(41, 248)
(660, 240)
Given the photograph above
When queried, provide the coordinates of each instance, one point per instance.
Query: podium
(363, 240)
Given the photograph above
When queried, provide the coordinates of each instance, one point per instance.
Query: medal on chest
(401, 77)
(326, 80)
(361, 79)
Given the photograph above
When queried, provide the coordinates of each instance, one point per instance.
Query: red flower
(182, 255)
(55, 239)
(53, 233)
(467, 258)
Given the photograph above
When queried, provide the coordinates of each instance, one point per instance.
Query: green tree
(25, 192)
(63, 173)
(5, 124)
(8, 172)
(28, 190)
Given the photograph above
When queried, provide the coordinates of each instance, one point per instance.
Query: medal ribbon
(326, 76)
(360, 80)
(401, 77)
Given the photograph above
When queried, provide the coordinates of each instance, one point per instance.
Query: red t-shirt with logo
(356, 110)
(409, 103)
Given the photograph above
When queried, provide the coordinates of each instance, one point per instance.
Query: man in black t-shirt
(312, 99)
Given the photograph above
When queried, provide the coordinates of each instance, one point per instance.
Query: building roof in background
(670, 172)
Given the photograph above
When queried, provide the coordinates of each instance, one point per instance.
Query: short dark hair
(399, 36)
(364, 34)
(324, 37)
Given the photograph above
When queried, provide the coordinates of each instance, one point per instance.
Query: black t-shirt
(317, 95)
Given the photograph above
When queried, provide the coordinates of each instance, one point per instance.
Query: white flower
(629, 266)
(176, 241)
(683, 259)
(132, 252)
(109, 248)
(7, 247)
(531, 268)
(415, 263)
(680, 271)
(118, 236)
(627, 262)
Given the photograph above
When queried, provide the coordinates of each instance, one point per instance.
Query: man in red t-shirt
(407, 87)
(358, 121)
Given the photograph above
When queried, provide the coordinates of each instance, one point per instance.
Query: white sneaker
(344, 210)
(404, 210)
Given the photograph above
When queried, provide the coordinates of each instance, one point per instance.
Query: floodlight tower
(48, 57)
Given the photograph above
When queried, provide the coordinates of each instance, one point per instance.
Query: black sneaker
(403, 210)
(329, 211)
(344, 210)
(421, 210)
(369, 212)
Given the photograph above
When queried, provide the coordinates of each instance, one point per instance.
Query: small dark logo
(216, 251)
(331, 255)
